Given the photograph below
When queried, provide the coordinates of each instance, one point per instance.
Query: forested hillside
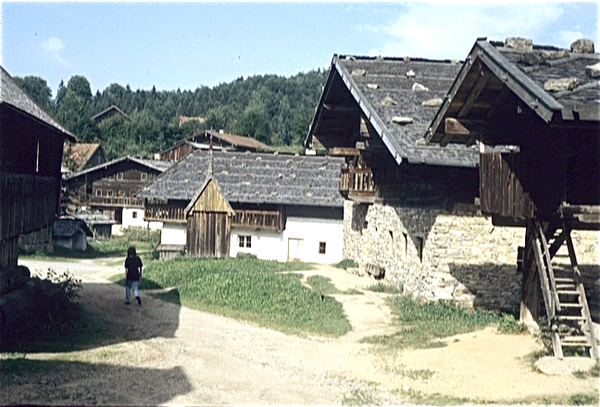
(273, 109)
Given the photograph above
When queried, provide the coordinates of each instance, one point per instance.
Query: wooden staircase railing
(563, 292)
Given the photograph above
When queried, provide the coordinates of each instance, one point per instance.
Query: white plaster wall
(266, 245)
(274, 246)
(129, 220)
(155, 225)
(173, 233)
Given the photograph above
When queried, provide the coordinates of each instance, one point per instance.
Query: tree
(80, 86)
(38, 89)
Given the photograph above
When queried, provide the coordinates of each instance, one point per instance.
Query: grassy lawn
(265, 292)
(115, 246)
(423, 324)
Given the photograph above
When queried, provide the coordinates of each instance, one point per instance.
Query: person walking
(133, 273)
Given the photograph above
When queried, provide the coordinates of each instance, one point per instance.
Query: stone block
(583, 46)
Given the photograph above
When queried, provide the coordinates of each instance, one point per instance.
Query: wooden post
(530, 293)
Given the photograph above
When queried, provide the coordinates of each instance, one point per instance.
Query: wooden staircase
(563, 292)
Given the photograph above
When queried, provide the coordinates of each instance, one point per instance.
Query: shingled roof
(156, 165)
(253, 178)
(234, 140)
(531, 73)
(12, 95)
(80, 153)
(398, 97)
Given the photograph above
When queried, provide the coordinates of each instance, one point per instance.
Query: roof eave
(368, 111)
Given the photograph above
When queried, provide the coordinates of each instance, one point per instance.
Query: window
(119, 176)
(109, 193)
(245, 241)
(420, 243)
(98, 192)
(134, 215)
(144, 176)
(121, 192)
(322, 246)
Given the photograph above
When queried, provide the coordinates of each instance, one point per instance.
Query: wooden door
(295, 251)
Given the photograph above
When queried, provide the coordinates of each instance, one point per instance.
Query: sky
(187, 45)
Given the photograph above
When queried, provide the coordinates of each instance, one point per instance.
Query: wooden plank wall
(208, 234)
(27, 203)
(9, 252)
(501, 190)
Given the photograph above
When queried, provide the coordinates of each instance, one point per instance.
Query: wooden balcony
(257, 219)
(164, 213)
(115, 201)
(358, 185)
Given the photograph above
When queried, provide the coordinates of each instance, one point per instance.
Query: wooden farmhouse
(220, 141)
(411, 211)
(108, 113)
(111, 187)
(541, 104)
(278, 207)
(31, 148)
(80, 156)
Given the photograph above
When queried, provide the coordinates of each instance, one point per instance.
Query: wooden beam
(474, 93)
(344, 151)
(339, 108)
(453, 127)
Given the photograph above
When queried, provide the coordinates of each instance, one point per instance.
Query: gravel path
(164, 353)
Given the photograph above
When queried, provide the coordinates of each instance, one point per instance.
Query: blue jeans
(131, 286)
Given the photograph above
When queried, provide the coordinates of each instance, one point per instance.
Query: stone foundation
(437, 254)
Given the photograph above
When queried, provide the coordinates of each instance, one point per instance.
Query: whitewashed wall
(309, 232)
(172, 233)
(128, 220)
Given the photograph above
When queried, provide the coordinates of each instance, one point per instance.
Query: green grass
(510, 325)
(386, 288)
(322, 284)
(436, 399)
(423, 324)
(346, 264)
(326, 287)
(265, 292)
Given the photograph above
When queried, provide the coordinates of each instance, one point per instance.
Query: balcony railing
(115, 201)
(257, 219)
(161, 213)
(358, 183)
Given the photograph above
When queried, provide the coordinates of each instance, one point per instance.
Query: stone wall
(458, 255)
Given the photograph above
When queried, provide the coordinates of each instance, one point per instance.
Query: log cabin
(411, 210)
(539, 105)
(81, 156)
(111, 187)
(219, 140)
(31, 148)
(273, 206)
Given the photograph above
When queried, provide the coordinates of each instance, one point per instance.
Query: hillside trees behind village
(270, 108)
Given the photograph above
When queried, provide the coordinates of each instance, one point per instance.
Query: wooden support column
(531, 290)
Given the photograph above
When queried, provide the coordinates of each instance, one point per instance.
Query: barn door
(208, 234)
(295, 252)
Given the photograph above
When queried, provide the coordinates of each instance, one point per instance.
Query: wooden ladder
(563, 292)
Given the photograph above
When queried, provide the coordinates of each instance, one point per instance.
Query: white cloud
(448, 30)
(53, 48)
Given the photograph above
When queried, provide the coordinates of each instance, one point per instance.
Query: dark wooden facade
(31, 147)
(112, 186)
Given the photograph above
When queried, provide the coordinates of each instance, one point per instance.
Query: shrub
(510, 325)
(346, 264)
(381, 287)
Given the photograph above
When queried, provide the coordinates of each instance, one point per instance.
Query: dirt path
(163, 353)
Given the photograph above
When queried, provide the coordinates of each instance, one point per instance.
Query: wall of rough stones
(437, 254)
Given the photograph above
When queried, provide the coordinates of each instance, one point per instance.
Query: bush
(510, 325)
(346, 264)
(386, 288)
(55, 309)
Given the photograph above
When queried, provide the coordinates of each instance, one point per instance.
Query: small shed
(70, 234)
(208, 222)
